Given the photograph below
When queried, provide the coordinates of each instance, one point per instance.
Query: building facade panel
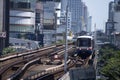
(21, 20)
(21, 13)
(18, 28)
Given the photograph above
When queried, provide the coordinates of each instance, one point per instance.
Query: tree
(8, 50)
(110, 57)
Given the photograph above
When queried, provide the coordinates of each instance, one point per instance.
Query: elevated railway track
(24, 58)
(20, 69)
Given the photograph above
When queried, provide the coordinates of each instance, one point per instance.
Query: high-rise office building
(89, 28)
(49, 19)
(22, 17)
(109, 24)
(84, 17)
(117, 1)
(75, 7)
(79, 16)
(4, 24)
(113, 23)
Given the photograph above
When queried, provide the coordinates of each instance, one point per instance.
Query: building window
(11, 4)
(118, 8)
(24, 5)
(16, 44)
(37, 15)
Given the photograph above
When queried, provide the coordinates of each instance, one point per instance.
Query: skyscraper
(75, 7)
(4, 24)
(79, 16)
(89, 24)
(84, 17)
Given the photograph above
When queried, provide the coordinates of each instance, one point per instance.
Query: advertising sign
(3, 34)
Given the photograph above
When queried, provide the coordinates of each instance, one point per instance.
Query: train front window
(84, 42)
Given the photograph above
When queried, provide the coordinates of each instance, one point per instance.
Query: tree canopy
(110, 60)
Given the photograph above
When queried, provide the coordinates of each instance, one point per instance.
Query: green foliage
(110, 58)
(60, 42)
(8, 50)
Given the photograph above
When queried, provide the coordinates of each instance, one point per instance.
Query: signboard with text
(3, 34)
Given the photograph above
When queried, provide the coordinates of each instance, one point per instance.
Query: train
(84, 46)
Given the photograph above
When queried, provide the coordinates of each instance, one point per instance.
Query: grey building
(113, 23)
(84, 18)
(79, 16)
(109, 23)
(89, 27)
(75, 7)
(46, 16)
(4, 24)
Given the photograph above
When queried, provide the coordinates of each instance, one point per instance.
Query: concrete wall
(80, 73)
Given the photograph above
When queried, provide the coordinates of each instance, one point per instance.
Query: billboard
(1, 15)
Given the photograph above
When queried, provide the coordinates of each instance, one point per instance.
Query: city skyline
(98, 9)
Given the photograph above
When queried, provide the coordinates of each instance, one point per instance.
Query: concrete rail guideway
(51, 69)
(22, 54)
(83, 72)
(31, 52)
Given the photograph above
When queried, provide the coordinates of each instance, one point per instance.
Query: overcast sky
(98, 9)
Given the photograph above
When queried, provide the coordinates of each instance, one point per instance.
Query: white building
(89, 28)
(22, 17)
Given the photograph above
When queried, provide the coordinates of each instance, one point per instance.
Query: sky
(98, 9)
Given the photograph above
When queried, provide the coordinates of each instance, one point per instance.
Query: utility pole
(95, 37)
(64, 15)
(66, 41)
(96, 50)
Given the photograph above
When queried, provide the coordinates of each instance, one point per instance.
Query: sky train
(84, 46)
